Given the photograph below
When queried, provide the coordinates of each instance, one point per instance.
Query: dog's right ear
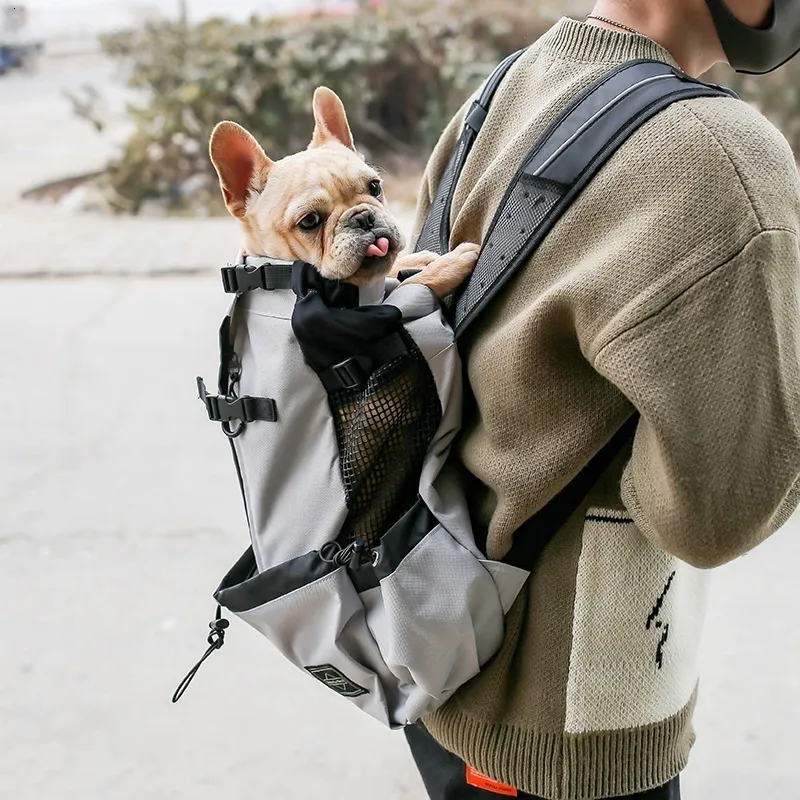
(241, 164)
(330, 120)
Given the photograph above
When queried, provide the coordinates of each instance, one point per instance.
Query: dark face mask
(758, 51)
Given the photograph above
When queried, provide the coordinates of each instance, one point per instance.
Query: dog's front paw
(413, 261)
(444, 275)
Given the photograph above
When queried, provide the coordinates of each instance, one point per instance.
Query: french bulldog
(324, 205)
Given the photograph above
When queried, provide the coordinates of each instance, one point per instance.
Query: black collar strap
(257, 273)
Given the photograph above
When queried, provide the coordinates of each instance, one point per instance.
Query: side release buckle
(271, 275)
(242, 409)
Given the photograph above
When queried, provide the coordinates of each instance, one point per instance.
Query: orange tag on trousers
(481, 781)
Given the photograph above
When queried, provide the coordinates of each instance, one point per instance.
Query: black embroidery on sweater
(660, 648)
(654, 621)
(612, 520)
(659, 603)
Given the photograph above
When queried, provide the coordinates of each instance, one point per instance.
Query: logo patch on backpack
(336, 680)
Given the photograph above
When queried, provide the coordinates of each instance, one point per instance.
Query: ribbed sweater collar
(578, 41)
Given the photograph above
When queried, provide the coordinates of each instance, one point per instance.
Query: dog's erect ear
(330, 120)
(241, 164)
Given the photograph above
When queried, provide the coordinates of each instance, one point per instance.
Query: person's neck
(684, 29)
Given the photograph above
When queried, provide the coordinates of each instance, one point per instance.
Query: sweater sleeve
(715, 375)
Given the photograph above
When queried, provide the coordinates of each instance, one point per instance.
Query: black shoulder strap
(564, 160)
(435, 234)
(561, 164)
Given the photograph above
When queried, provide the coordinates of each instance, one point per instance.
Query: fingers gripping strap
(562, 163)
(435, 234)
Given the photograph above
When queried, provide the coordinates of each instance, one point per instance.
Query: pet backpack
(341, 405)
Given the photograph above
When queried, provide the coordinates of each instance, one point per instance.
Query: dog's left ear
(330, 120)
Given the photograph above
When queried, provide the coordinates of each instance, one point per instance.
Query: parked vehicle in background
(17, 49)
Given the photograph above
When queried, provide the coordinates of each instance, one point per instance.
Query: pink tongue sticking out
(379, 249)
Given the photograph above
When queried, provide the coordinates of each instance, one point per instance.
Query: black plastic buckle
(238, 278)
(476, 116)
(241, 278)
(240, 409)
(351, 373)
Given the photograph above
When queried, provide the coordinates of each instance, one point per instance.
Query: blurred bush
(401, 70)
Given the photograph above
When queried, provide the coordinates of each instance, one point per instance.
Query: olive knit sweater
(670, 287)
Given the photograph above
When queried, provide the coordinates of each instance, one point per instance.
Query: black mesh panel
(530, 203)
(383, 431)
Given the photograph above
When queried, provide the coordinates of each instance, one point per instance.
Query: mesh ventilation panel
(527, 207)
(383, 432)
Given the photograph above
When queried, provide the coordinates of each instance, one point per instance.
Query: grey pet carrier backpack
(341, 405)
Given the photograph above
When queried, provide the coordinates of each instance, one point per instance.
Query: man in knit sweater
(670, 288)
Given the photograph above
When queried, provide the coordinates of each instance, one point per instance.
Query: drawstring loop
(215, 640)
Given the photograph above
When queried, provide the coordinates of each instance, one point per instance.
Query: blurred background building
(119, 509)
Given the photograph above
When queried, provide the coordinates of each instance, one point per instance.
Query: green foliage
(401, 69)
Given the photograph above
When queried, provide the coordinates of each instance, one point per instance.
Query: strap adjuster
(352, 373)
(476, 116)
(355, 372)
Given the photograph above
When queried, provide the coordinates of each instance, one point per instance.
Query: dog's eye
(310, 221)
(375, 188)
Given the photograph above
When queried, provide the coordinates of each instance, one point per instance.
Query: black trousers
(445, 775)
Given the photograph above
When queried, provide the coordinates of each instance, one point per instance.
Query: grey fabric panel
(414, 301)
(403, 537)
(450, 631)
(508, 579)
(370, 295)
(324, 623)
(290, 469)
(439, 486)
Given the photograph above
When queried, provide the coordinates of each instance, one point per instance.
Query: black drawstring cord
(215, 640)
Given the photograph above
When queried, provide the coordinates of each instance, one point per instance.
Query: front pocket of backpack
(310, 611)
(443, 615)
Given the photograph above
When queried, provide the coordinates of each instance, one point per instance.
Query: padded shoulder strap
(435, 233)
(568, 155)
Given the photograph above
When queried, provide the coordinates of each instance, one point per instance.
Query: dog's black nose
(365, 220)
